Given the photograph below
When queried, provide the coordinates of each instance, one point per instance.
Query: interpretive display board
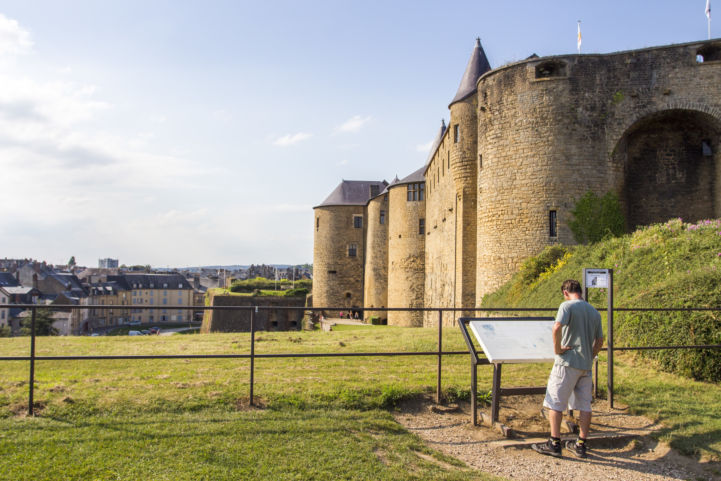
(505, 341)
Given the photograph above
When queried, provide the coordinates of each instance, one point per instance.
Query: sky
(184, 133)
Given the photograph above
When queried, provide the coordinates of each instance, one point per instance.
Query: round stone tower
(406, 249)
(375, 286)
(464, 167)
(339, 246)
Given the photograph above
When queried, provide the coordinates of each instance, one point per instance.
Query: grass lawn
(323, 418)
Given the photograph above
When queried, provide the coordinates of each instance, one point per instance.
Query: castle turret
(375, 285)
(406, 249)
(464, 166)
(339, 245)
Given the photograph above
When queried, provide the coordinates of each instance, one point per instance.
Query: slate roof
(151, 281)
(417, 176)
(7, 279)
(353, 192)
(13, 290)
(436, 142)
(477, 66)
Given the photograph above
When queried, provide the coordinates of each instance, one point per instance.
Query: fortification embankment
(238, 320)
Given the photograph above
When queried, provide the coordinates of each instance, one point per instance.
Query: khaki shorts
(569, 388)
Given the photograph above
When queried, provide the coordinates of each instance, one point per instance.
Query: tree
(71, 262)
(597, 217)
(43, 324)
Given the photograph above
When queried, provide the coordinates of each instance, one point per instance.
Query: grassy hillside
(675, 264)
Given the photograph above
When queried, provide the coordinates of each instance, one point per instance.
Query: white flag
(708, 9)
(579, 35)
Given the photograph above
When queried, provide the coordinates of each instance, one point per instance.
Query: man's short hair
(572, 286)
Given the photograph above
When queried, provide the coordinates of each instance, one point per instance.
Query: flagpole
(708, 16)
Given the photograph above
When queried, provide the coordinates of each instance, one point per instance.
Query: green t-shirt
(581, 327)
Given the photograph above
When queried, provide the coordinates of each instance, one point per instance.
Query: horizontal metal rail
(32, 358)
(236, 356)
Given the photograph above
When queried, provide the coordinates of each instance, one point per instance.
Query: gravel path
(624, 450)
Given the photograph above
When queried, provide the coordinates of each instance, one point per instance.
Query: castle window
(331, 272)
(358, 221)
(352, 250)
(480, 161)
(449, 160)
(456, 134)
(416, 191)
(411, 192)
(383, 217)
(421, 226)
(317, 223)
(706, 148)
(708, 54)
(551, 69)
(552, 224)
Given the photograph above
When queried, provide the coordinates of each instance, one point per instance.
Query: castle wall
(339, 274)
(375, 286)
(441, 222)
(406, 257)
(544, 142)
(223, 320)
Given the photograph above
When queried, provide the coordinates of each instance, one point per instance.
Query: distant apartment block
(167, 292)
(108, 263)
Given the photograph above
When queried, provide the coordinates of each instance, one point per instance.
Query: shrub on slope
(674, 264)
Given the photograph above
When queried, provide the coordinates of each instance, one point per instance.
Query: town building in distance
(524, 142)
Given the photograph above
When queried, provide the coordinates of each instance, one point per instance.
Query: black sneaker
(548, 448)
(578, 450)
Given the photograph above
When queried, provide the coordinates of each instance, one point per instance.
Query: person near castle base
(577, 339)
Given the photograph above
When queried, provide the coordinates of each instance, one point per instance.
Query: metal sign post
(597, 279)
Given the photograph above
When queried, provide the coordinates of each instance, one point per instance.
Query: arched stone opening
(671, 167)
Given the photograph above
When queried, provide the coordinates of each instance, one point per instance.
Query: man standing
(577, 339)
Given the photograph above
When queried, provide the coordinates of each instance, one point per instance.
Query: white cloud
(14, 40)
(353, 124)
(424, 147)
(292, 139)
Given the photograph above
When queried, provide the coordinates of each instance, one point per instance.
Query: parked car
(154, 330)
(134, 323)
(135, 333)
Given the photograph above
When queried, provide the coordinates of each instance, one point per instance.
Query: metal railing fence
(439, 353)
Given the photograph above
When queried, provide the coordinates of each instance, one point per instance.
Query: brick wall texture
(533, 138)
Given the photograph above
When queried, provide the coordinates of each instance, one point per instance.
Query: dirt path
(622, 450)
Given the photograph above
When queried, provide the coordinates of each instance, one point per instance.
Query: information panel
(515, 341)
(596, 278)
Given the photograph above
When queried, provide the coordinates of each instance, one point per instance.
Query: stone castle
(524, 142)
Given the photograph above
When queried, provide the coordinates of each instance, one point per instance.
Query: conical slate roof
(417, 176)
(477, 66)
(354, 192)
(393, 182)
(436, 142)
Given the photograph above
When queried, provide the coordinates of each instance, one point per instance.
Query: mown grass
(322, 418)
(188, 419)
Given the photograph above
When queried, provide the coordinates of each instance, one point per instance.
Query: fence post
(32, 364)
(609, 315)
(440, 355)
(252, 352)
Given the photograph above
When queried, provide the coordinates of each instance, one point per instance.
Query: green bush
(262, 284)
(597, 218)
(298, 291)
(533, 267)
(5, 331)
